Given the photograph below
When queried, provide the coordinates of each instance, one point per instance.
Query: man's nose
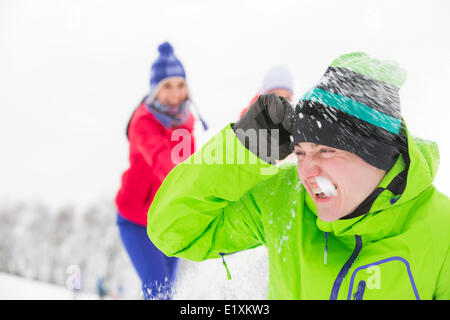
(310, 168)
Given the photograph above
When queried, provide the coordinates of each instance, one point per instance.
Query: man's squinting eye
(325, 152)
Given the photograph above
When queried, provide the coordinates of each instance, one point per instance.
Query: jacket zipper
(358, 295)
(345, 269)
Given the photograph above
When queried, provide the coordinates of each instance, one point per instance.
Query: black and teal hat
(355, 107)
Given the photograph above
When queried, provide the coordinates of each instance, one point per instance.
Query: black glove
(269, 112)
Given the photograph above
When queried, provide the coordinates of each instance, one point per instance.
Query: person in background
(101, 290)
(163, 112)
(277, 80)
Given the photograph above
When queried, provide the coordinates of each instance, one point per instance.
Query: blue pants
(156, 271)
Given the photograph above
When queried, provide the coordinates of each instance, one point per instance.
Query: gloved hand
(273, 114)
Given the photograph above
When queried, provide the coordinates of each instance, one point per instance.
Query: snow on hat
(166, 66)
(355, 107)
(277, 77)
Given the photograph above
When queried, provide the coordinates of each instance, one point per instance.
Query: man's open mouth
(322, 187)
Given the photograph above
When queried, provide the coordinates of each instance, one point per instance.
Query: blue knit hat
(166, 66)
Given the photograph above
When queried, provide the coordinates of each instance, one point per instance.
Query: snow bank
(17, 288)
(207, 280)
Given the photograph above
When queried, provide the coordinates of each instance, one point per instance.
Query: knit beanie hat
(166, 66)
(355, 107)
(278, 77)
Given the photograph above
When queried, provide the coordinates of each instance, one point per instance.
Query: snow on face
(326, 186)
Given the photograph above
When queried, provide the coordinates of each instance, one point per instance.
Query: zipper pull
(325, 254)
(358, 295)
(225, 265)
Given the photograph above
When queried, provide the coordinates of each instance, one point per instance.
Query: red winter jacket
(150, 162)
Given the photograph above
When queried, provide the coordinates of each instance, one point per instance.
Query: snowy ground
(208, 279)
(16, 288)
(205, 280)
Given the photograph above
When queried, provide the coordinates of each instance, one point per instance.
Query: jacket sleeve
(153, 147)
(204, 206)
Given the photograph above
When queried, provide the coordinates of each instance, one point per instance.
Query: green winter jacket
(398, 250)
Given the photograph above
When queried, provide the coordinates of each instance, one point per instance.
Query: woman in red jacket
(161, 122)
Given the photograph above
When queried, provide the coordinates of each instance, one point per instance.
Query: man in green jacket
(356, 218)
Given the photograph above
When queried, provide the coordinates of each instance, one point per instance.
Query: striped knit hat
(166, 66)
(355, 107)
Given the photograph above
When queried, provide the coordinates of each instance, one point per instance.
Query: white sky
(71, 73)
